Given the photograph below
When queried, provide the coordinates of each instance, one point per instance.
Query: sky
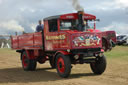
(23, 15)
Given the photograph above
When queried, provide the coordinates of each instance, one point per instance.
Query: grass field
(11, 72)
(119, 52)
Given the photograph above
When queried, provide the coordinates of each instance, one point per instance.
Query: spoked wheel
(99, 66)
(28, 64)
(63, 65)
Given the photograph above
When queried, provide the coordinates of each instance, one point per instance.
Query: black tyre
(28, 64)
(51, 62)
(63, 65)
(104, 45)
(99, 66)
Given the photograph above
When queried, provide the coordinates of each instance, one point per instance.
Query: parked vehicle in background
(127, 41)
(122, 39)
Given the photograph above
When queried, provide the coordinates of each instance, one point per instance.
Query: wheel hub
(61, 65)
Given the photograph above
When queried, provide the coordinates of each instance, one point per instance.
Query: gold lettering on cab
(59, 37)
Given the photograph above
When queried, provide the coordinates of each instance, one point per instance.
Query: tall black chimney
(80, 21)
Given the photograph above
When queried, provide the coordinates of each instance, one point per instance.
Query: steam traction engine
(66, 39)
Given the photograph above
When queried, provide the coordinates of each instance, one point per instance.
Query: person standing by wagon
(40, 27)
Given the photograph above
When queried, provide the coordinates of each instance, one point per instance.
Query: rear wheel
(28, 64)
(99, 66)
(63, 65)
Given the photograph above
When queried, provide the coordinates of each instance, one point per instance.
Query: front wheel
(28, 64)
(63, 65)
(99, 66)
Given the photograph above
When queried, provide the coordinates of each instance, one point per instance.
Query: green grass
(119, 52)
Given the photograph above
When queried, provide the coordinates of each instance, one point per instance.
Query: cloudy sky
(19, 15)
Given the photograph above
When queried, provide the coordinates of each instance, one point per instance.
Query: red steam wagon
(66, 39)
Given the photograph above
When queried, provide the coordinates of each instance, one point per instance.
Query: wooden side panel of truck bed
(27, 41)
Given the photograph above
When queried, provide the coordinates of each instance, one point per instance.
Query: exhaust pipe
(80, 20)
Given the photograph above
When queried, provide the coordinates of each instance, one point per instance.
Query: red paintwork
(27, 41)
(102, 50)
(60, 41)
(61, 65)
(34, 40)
(109, 35)
(106, 34)
(93, 30)
(67, 43)
(62, 52)
(30, 54)
(74, 16)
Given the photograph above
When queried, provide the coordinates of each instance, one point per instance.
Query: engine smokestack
(77, 5)
(80, 20)
(80, 12)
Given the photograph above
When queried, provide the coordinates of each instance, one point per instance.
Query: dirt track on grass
(11, 73)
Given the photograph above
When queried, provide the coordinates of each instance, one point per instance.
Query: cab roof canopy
(71, 16)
